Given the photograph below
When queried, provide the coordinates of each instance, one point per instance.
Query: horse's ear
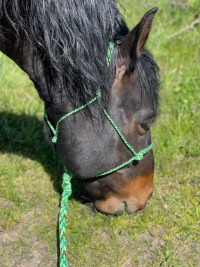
(135, 40)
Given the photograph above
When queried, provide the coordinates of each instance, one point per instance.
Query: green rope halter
(67, 176)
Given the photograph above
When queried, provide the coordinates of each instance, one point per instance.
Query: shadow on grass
(23, 135)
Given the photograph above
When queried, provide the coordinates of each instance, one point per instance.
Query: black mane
(71, 37)
(149, 76)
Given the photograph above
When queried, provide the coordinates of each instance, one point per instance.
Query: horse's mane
(71, 37)
(149, 76)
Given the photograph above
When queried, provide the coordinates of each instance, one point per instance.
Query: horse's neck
(24, 55)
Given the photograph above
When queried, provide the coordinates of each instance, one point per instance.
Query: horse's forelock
(149, 76)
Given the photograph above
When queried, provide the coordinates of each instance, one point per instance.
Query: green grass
(166, 232)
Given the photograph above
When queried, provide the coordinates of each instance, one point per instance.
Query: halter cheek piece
(66, 184)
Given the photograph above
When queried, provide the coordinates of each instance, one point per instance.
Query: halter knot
(139, 156)
(54, 139)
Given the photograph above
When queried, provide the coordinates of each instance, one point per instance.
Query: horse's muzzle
(130, 198)
(119, 208)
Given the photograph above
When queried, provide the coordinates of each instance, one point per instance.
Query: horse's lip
(119, 212)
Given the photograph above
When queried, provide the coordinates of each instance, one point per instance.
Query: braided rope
(110, 53)
(67, 191)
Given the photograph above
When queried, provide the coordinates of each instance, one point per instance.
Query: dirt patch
(21, 247)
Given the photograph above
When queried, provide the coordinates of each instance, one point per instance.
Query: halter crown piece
(67, 176)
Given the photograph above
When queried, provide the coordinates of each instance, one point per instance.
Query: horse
(63, 47)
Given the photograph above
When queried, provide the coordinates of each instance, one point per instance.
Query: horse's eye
(145, 126)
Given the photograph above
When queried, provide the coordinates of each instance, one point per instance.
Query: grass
(166, 232)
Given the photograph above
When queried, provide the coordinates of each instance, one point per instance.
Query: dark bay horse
(62, 45)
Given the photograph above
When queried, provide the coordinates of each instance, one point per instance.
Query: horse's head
(67, 66)
(95, 147)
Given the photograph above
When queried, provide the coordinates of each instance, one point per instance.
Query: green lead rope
(67, 191)
(67, 176)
